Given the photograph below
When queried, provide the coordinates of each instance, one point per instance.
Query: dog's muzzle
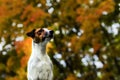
(48, 35)
(51, 34)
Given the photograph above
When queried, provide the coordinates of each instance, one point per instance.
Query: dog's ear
(31, 33)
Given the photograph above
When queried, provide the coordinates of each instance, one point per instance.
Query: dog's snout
(51, 32)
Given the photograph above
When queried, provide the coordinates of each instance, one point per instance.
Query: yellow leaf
(71, 77)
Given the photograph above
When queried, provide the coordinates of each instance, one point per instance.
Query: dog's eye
(39, 33)
(41, 30)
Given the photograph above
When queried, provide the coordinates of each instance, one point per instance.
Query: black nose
(51, 32)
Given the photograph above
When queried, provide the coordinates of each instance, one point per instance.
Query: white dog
(39, 65)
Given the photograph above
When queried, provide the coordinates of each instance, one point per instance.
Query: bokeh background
(86, 44)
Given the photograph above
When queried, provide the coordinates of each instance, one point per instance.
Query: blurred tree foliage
(86, 44)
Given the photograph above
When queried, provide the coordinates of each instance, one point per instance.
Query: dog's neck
(38, 49)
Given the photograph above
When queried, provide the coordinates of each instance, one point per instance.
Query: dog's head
(41, 35)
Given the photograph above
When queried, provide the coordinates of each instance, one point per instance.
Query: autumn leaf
(71, 77)
(24, 46)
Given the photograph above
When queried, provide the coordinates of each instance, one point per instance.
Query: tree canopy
(86, 44)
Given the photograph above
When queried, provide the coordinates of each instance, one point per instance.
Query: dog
(40, 66)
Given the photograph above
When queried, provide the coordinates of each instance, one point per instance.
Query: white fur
(39, 64)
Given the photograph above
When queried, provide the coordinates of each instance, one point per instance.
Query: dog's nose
(51, 32)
